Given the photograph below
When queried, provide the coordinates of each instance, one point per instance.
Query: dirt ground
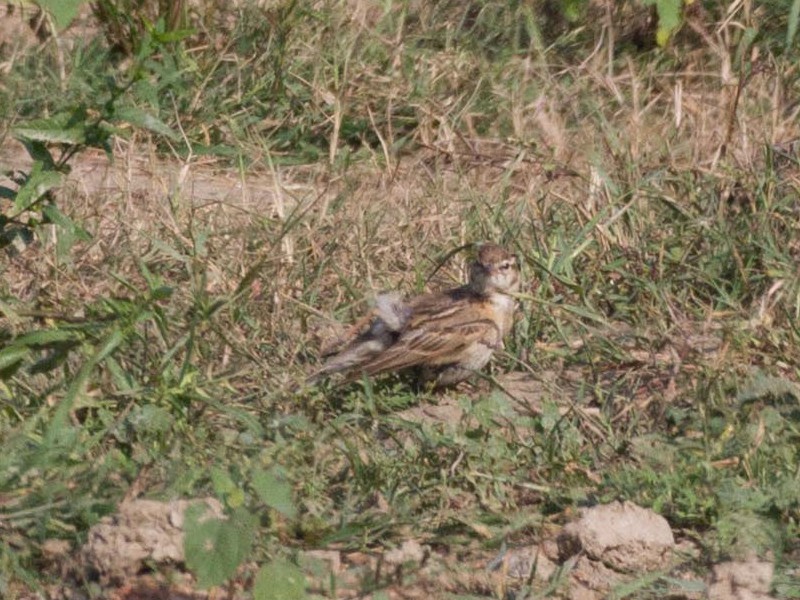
(604, 547)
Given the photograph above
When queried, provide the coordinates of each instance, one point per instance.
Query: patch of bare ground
(137, 207)
(141, 531)
(16, 33)
(123, 549)
(606, 547)
(749, 579)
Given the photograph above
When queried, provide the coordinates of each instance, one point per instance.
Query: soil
(606, 546)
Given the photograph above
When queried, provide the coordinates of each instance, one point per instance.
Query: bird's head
(495, 269)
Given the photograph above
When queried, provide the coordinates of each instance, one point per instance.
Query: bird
(445, 336)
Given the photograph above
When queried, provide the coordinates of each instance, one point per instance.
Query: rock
(409, 551)
(522, 563)
(54, 549)
(592, 580)
(621, 535)
(741, 580)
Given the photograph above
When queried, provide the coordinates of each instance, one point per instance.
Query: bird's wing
(390, 314)
(368, 337)
(434, 344)
(350, 335)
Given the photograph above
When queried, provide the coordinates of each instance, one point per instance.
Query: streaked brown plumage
(446, 335)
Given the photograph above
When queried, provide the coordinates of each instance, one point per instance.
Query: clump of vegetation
(640, 157)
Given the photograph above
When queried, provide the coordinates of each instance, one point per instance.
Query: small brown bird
(446, 336)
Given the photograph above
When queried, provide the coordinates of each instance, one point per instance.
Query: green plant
(70, 131)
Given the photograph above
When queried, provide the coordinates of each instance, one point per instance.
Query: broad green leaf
(111, 343)
(488, 410)
(63, 221)
(140, 118)
(745, 44)
(222, 482)
(122, 378)
(274, 491)
(52, 135)
(279, 580)
(69, 231)
(12, 355)
(226, 488)
(214, 547)
(38, 184)
(39, 153)
(176, 35)
(217, 150)
(59, 433)
(162, 292)
(45, 337)
(791, 29)
(62, 11)
(235, 499)
(573, 10)
(669, 19)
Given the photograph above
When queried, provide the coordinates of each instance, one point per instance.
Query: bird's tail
(388, 319)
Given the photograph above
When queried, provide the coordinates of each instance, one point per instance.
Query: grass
(329, 151)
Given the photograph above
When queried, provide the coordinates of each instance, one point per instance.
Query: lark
(445, 337)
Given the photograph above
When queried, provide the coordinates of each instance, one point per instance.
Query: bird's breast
(503, 308)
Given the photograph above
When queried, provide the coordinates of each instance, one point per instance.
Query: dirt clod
(741, 580)
(610, 542)
(142, 530)
(621, 535)
(409, 552)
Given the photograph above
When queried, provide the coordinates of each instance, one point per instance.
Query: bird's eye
(505, 266)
